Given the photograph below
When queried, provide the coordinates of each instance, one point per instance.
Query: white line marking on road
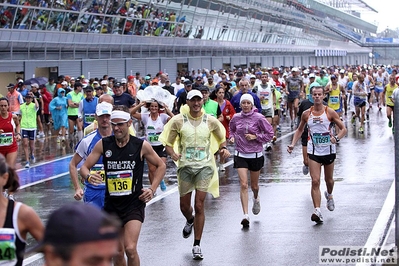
(43, 180)
(44, 162)
(382, 224)
(32, 259)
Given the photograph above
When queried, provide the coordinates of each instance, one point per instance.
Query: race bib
(89, 118)
(153, 137)
(334, 99)
(98, 169)
(294, 88)
(265, 102)
(6, 139)
(195, 153)
(379, 83)
(8, 254)
(321, 139)
(120, 183)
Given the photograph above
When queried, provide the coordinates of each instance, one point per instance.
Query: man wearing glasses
(123, 159)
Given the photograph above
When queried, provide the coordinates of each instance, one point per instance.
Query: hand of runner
(95, 179)
(175, 156)
(224, 153)
(78, 194)
(147, 194)
(290, 148)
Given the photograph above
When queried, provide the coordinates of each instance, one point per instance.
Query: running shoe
(317, 217)
(41, 134)
(32, 158)
(330, 202)
(197, 254)
(353, 120)
(274, 139)
(389, 123)
(278, 129)
(256, 206)
(58, 139)
(305, 170)
(27, 165)
(221, 167)
(188, 228)
(245, 221)
(361, 130)
(49, 133)
(162, 185)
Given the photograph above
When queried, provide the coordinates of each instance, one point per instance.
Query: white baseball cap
(312, 75)
(342, 71)
(103, 108)
(194, 93)
(294, 69)
(104, 82)
(123, 80)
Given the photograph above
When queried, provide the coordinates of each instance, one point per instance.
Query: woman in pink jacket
(249, 130)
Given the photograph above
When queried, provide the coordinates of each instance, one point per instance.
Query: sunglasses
(119, 124)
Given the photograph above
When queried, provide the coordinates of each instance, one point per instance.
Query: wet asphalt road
(282, 234)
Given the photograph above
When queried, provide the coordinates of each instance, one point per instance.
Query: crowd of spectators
(111, 17)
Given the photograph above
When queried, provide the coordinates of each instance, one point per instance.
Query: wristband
(18, 134)
(152, 191)
(224, 147)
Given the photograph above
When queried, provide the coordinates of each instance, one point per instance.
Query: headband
(120, 114)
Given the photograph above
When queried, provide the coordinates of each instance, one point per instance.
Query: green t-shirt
(76, 98)
(28, 116)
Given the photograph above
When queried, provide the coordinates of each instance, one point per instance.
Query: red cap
(275, 72)
(130, 77)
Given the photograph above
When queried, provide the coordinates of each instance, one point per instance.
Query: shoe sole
(198, 257)
(245, 223)
(316, 219)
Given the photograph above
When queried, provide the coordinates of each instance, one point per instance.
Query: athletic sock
(197, 242)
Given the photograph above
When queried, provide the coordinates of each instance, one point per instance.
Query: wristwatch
(336, 138)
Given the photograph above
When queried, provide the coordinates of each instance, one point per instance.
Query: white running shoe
(317, 217)
(197, 253)
(245, 221)
(330, 202)
(256, 206)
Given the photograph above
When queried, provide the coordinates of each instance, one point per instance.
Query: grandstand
(47, 37)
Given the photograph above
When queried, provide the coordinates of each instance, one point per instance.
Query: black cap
(77, 223)
(137, 73)
(117, 84)
(188, 82)
(203, 88)
(199, 78)
(89, 88)
(10, 85)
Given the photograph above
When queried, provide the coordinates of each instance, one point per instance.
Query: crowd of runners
(112, 133)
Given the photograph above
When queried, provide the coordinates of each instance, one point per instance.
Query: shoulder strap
(9, 214)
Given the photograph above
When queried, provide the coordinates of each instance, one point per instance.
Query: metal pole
(396, 138)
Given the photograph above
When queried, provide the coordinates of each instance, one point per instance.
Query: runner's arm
(73, 173)
(90, 162)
